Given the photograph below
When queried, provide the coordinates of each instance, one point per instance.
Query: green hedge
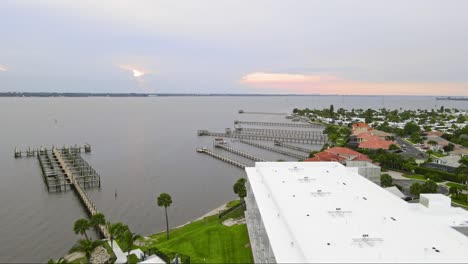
(444, 175)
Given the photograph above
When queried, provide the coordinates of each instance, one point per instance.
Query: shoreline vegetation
(211, 238)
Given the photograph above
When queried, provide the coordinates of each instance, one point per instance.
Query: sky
(397, 47)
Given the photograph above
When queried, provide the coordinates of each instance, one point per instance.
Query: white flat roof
(324, 212)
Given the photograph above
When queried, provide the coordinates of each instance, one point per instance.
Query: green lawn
(461, 199)
(232, 203)
(415, 176)
(458, 185)
(82, 260)
(208, 241)
(437, 154)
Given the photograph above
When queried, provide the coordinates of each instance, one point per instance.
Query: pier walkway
(239, 152)
(64, 169)
(269, 131)
(284, 152)
(89, 205)
(282, 144)
(229, 134)
(255, 123)
(279, 134)
(220, 157)
(260, 113)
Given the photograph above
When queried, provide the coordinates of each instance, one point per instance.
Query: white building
(306, 212)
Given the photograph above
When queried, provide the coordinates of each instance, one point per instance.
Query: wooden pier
(230, 134)
(89, 205)
(255, 123)
(260, 113)
(224, 146)
(317, 135)
(64, 169)
(220, 157)
(287, 153)
(282, 144)
(269, 131)
(31, 152)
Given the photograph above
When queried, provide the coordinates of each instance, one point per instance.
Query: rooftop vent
(306, 179)
(366, 240)
(320, 193)
(339, 212)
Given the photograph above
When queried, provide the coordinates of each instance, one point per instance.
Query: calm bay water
(141, 147)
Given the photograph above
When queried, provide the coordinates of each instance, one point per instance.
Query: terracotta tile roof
(339, 154)
(324, 156)
(376, 144)
(343, 151)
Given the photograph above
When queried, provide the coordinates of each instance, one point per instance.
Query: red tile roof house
(368, 138)
(360, 127)
(339, 154)
(376, 144)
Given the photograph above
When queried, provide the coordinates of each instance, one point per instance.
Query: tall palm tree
(129, 239)
(165, 200)
(81, 226)
(87, 247)
(97, 220)
(115, 231)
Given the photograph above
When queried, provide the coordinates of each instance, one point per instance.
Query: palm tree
(81, 226)
(87, 247)
(97, 220)
(129, 238)
(59, 261)
(454, 191)
(115, 230)
(165, 200)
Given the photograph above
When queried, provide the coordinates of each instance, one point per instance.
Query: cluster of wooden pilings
(64, 169)
(31, 152)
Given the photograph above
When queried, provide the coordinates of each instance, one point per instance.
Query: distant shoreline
(55, 94)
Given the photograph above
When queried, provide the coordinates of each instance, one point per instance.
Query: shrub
(442, 174)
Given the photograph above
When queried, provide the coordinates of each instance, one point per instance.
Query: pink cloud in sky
(3, 68)
(330, 84)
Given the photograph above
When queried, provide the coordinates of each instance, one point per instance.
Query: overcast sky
(244, 46)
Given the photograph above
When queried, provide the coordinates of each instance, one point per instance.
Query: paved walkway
(396, 175)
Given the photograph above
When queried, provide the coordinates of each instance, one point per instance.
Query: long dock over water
(284, 152)
(64, 169)
(260, 113)
(220, 157)
(282, 144)
(269, 131)
(229, 134)
(255, 123)
(224, 146)
(280, 134)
